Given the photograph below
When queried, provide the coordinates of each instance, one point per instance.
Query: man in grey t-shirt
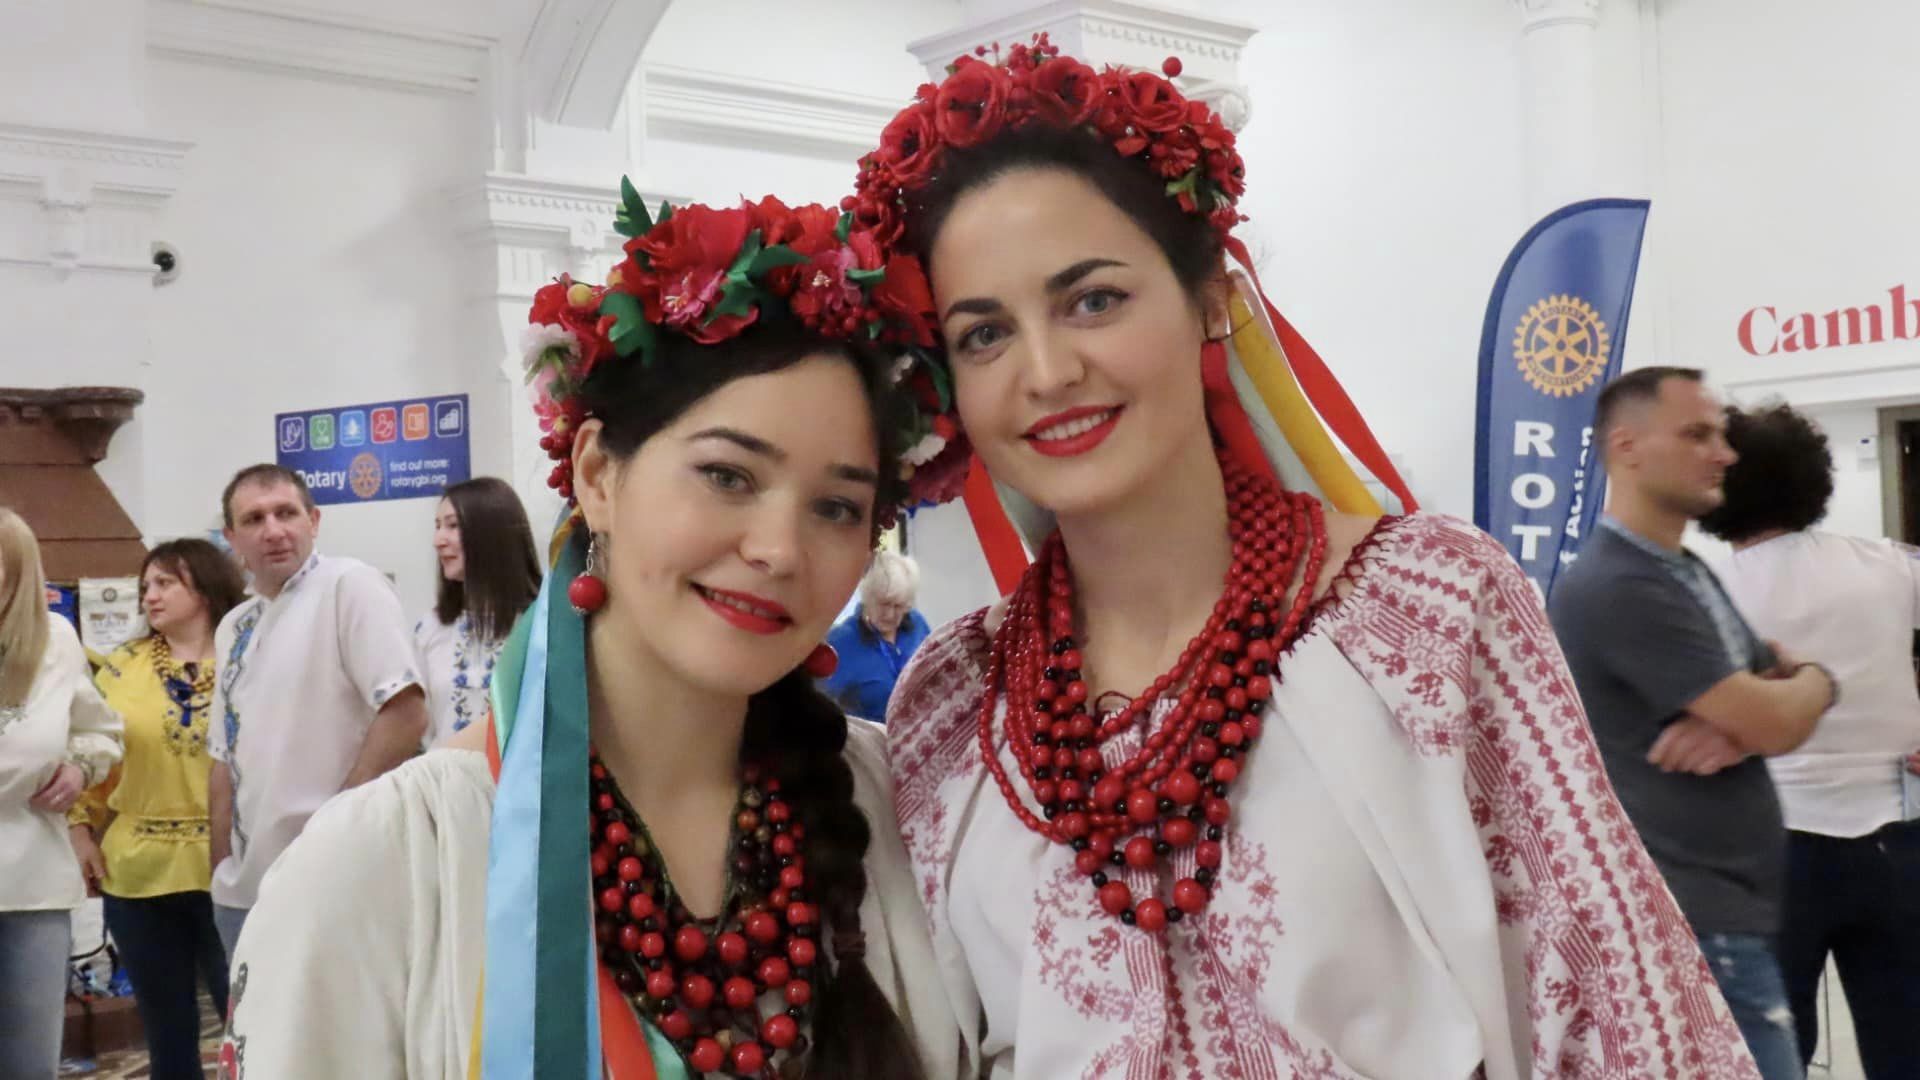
(1681, 694)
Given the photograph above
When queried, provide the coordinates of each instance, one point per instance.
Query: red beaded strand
(1173, 791)
(703, 990)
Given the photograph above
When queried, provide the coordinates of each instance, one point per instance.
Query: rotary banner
(1556, 325)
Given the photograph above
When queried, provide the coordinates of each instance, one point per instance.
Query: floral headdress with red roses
(707, 274)
(1141, 114)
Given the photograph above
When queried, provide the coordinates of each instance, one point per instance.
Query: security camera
(166, 262)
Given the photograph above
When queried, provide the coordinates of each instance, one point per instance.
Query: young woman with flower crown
(1244, 778)
(669, 856)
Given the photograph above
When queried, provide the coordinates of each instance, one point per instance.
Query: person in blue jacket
(877, 640)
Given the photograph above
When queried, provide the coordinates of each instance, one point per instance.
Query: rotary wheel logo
(364, 475)
(1561, 345)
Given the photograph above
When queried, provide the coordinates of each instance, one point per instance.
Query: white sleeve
(217, 719)
(319, 985)
(375, 646)
(93, 729)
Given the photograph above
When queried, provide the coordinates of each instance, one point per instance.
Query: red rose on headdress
(905, 300)
(1065, 91)
(690, 254)
(971, 104)
(910, 145)
(1155, 106)
(1174, 154)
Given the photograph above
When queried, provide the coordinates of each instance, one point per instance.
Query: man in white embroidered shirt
(316, 691)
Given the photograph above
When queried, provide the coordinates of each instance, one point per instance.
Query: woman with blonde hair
(57, 737)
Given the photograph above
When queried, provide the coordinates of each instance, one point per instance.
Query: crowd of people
(1249, 775)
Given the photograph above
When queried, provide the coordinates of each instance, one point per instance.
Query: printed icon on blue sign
(320, 431)
(293, 434)
(353, 427)
(449, 419)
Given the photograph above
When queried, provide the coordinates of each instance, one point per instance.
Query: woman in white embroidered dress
(662, 789)
(489, 574)
(1408, 865)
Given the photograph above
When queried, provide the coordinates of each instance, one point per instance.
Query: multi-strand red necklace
(1172, 793)
(701, 981)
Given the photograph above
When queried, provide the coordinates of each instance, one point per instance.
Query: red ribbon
(999, 540)
(1228, 417)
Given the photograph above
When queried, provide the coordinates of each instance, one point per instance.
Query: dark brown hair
(502, 564)
(1637, 386)
(264, 474)
(1784, 477)
(203, 568)
(790, 726)
(1191, 245)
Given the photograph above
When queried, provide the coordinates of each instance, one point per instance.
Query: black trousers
(169, 944)
(1858, 900)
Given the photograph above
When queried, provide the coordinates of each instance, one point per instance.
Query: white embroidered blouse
(1427, 876)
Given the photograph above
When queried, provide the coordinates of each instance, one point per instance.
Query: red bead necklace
(1172, 793)
(701, 981)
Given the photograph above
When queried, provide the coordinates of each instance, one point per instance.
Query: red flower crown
(1143, 116)
(707, 274)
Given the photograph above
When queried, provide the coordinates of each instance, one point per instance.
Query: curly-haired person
(1853, 605)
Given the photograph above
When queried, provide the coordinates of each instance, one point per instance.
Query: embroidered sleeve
(930, 737)
(1615, 980)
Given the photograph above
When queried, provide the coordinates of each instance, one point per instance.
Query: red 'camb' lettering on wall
(1764, 331)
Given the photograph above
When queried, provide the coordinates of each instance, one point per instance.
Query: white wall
(318, 269)
(1785, 172)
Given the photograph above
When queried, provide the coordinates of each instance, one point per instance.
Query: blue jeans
(1749, 976)
(164, 941)
(33, 991)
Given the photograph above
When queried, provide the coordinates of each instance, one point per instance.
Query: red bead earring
(588, 591)
(822, 661)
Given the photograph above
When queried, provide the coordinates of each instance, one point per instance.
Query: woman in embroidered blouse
(56, 737)
(1338, 817)
(665, 804)
(489, 574)
(141, 837)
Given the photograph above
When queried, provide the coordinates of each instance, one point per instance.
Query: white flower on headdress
(536, 339)
(925, 450)
(901, 368)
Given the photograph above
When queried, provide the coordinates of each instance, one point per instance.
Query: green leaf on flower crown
(867, 278)
(845, 228)
(942, 382)
(874, 330)
(1186, 184)
(776, 256)
(666, 211)
(736, 298)
(631, 219)
(631, 332)
(743, 259)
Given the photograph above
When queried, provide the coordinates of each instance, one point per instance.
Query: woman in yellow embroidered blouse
(150, 815)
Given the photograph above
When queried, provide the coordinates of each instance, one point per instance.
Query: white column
(1558, 88)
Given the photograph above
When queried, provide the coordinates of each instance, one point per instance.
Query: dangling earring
(822, 661)
(588, 591)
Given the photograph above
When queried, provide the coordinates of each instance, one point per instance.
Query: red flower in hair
(905, 300)
(910, 145)
(971, 103)
(1066, 92)
(1154, 104)
(690, 254)
(825, 299)
(553, 305)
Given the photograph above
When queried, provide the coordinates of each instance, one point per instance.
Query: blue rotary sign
(406, 449)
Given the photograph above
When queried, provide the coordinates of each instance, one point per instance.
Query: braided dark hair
(802, 735)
